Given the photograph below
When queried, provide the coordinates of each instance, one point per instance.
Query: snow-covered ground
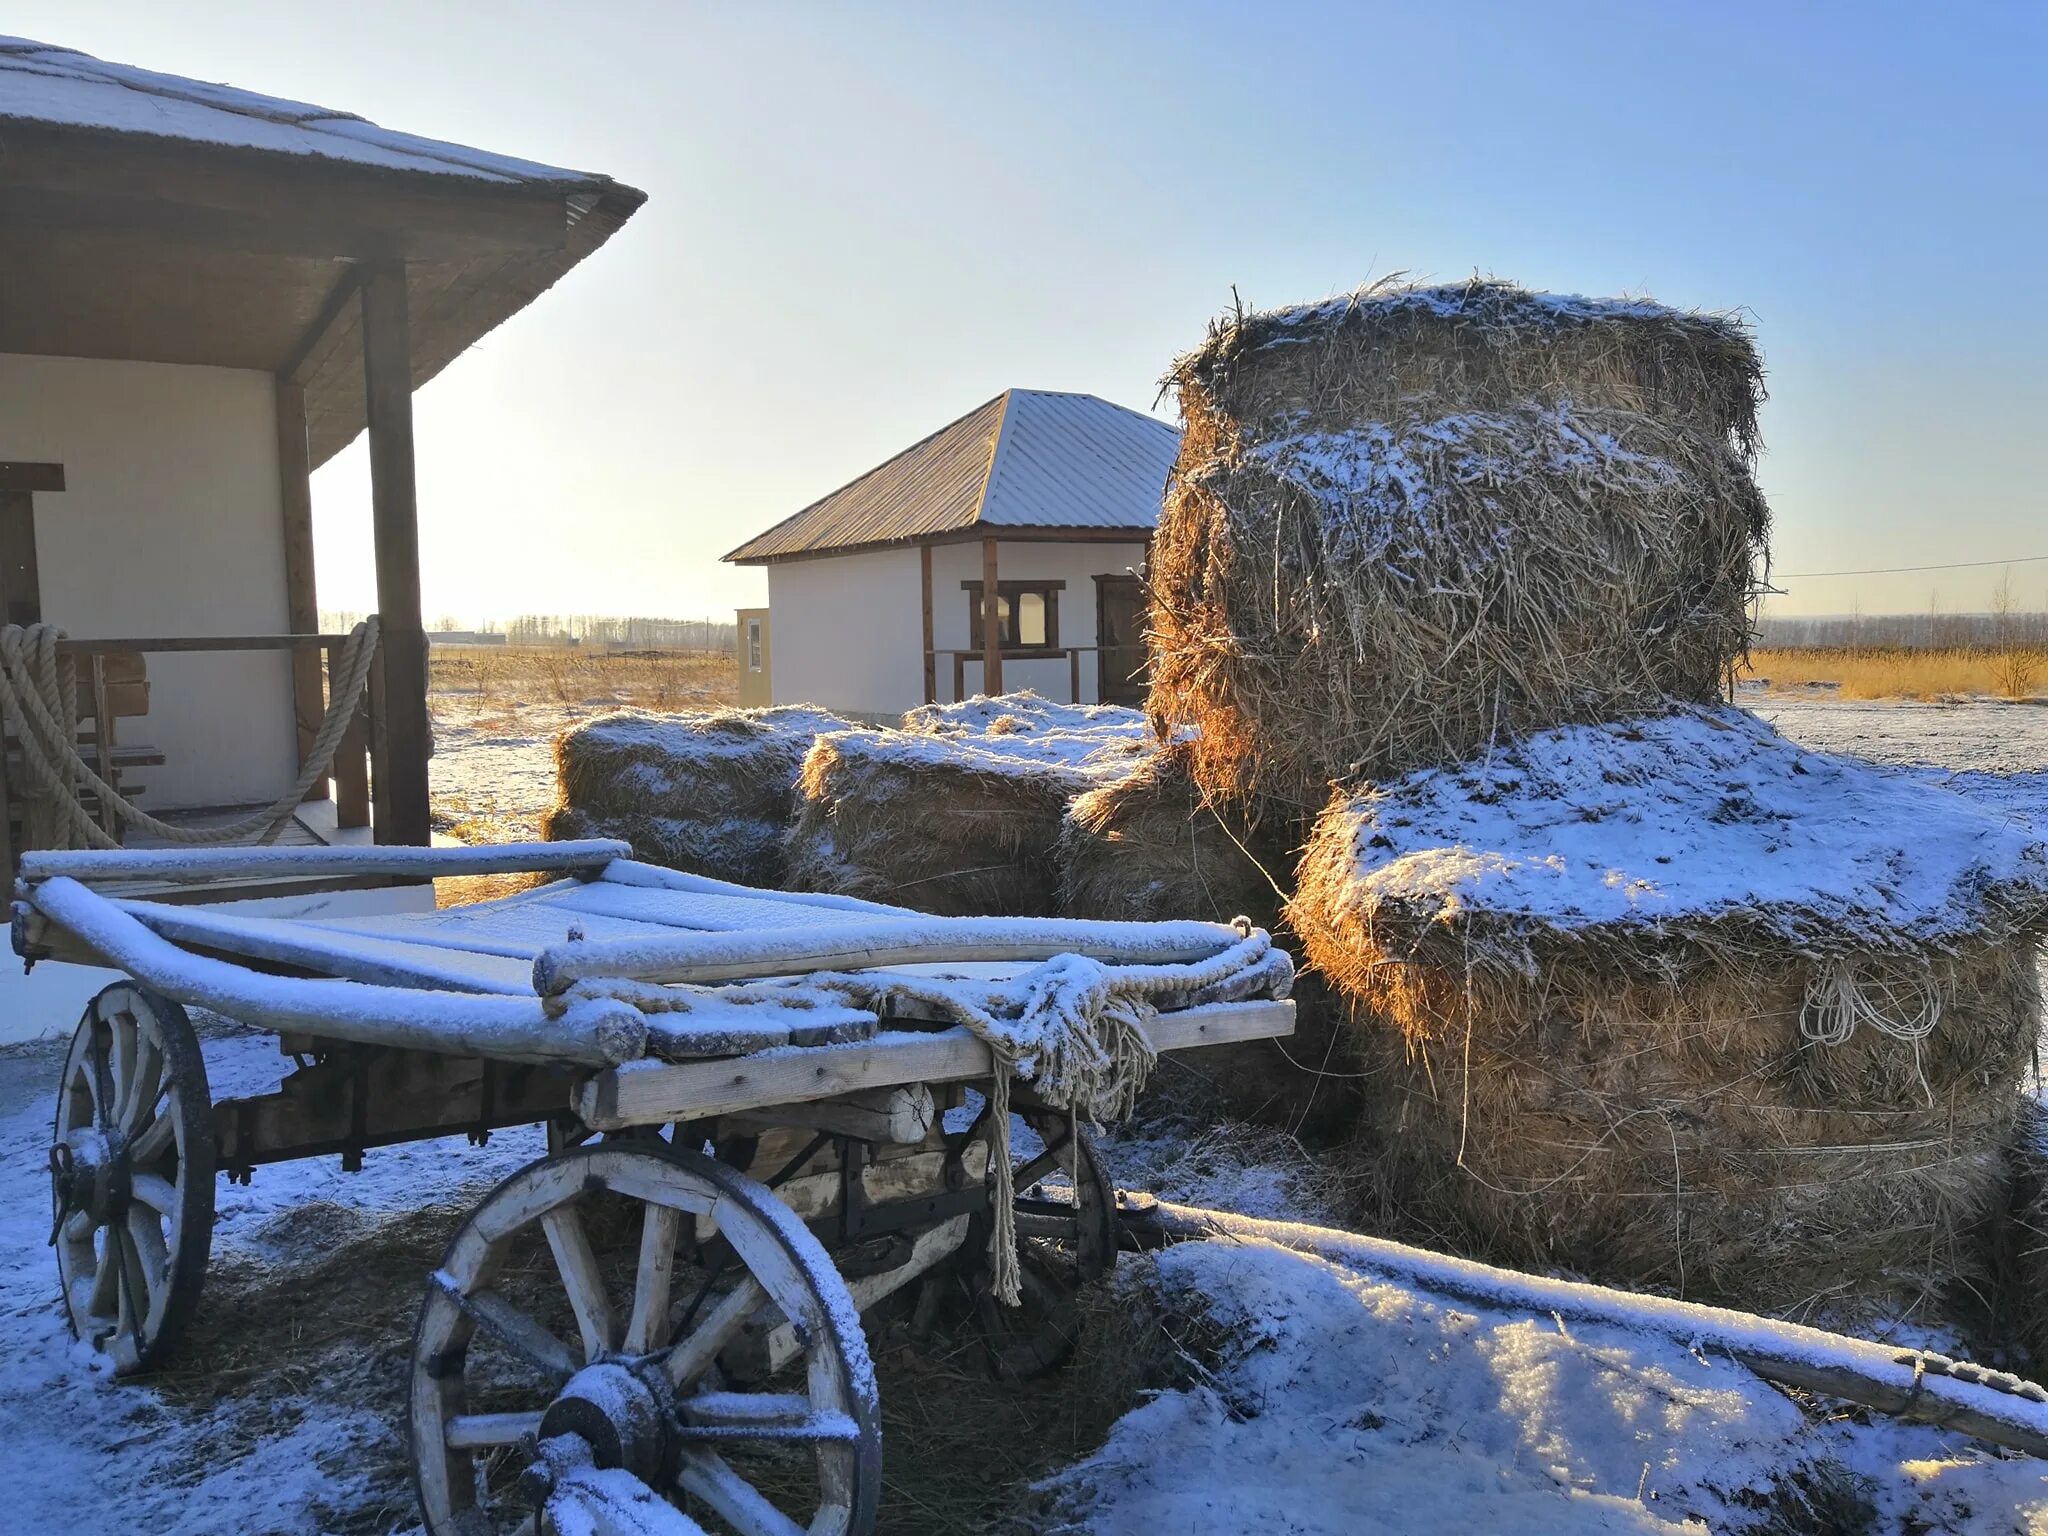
(1338, 1400)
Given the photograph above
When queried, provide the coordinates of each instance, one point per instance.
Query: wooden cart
(760, 1127)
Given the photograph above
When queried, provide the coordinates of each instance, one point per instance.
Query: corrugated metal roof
(1029, 458)
(40, 82)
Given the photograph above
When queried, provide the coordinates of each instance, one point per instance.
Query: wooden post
(400, 778)
(351, 760)
(991, 622)
(931, 660)
(301, 601)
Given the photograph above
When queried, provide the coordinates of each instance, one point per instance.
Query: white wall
(170, 524)
(849, 632)
(1076, 564)
(849, 628)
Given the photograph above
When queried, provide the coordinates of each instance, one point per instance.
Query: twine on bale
(39, 699)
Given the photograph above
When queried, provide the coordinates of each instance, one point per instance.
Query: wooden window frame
(1048, 590)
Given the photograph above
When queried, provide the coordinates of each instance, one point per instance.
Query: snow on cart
(767, 1113)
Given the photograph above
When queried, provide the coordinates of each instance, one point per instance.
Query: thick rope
(39, 699)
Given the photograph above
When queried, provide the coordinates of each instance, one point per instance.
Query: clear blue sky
(865, 219)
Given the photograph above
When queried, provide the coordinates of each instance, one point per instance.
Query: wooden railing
(102, 678)
(1072, 653)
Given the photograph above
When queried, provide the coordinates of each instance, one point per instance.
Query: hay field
(1901, 672)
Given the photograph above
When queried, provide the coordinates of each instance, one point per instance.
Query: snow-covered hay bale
(1674, 1001)
(707, 792)
(1151, 847)
(961, 824)
(1412, 522)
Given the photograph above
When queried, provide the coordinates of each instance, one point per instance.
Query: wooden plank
(644, 1094)
(991, 621)
(399, 790)
(126, 701)
(301, 600)
(931, 660)
(358, 957)
(21, 475)
(196, 643)
(204, 866)
(21, 599)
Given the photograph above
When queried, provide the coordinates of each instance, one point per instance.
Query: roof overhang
(973, 533)
(129, 246)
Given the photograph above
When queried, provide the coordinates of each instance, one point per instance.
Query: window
(753, 645)
(1027, 614)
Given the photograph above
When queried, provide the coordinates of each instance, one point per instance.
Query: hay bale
(1151, 847)
(1409, 524)
(957, 825)
(705, 792)
(1675, 1002)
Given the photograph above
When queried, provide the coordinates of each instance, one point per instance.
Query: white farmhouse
(879, 595)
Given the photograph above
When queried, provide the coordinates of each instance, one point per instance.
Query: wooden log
(201, 866)
(646, 1094)
(1880, 1376)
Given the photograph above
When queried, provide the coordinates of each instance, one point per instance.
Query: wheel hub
(91, 1173)
(621, 1413)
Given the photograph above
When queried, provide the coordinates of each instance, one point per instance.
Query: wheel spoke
(786, 1416)
(105, 1295)
(156, 1192)
(518, 1332)
(692, 1356)
(478, 1431)
(709, 1477)
(152, 1142)
(582, 1280)
(152, 1254)
(1030, 1173)
(145, 1080)
(78, 1226)
(134, 1287)
(658, 1228)
(99, 1075)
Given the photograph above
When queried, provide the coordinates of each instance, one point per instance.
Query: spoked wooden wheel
(131, 1173)
(1066, 1237)
(729, 1376)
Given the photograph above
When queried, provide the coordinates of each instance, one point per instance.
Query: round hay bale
(1676, 1002)
(944, 826)
(709, 793)
(1404, 526)
(1690, 1136)
(1151, 847)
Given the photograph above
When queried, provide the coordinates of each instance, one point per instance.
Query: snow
(41, 82)
(1019, 732)
(1377, 486)
(1698, 814)
(1481, 297)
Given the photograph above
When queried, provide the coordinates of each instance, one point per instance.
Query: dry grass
(511, 678)
(1404, 526)
(1897, 672)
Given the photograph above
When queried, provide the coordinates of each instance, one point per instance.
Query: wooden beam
(301, 600)
(648, 1094)
(931, 660)
(18, 476)
(991, 621)
(336, 311)
(400, 777)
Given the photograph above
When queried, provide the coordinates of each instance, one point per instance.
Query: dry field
(1897, 672)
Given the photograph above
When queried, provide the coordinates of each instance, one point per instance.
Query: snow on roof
(43, 83)
(1027, 459)
(1699, 814)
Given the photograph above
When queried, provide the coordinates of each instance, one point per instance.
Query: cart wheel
(577, 1301)
(131, 1172)
(1066, 1236)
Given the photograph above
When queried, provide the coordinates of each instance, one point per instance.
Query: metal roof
(1030, 458)
(45, 83)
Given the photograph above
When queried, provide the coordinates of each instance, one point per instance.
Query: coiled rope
(39, 700)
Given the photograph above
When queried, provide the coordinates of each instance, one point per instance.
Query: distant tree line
(606, 630)
(1908, 631)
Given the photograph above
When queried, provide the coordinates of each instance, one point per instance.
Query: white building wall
(170, 524)
(848, 632)
(1076, 564)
